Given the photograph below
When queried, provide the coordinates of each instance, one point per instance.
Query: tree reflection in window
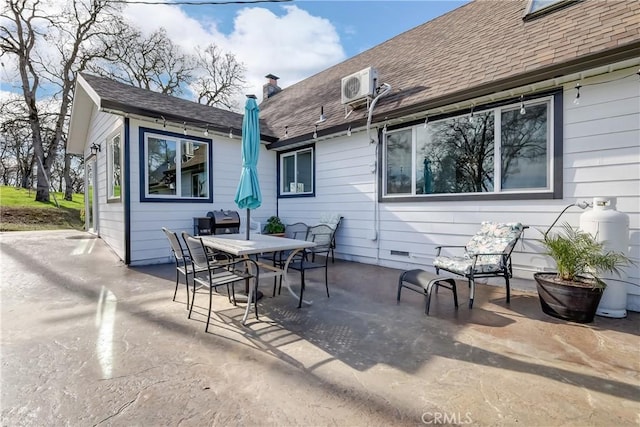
(524, 148)
(161, 155)
(113, 168)
(456, 155)
(399, 162)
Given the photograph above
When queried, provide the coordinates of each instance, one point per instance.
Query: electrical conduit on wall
(385, 89)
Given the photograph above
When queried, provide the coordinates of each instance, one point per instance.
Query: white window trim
(497, 155)
(110, 162)
(294, 154)
(178, 140)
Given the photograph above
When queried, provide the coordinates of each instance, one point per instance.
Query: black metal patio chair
(322, 235)
(217, 271)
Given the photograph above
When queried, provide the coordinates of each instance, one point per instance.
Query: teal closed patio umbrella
(248, 195)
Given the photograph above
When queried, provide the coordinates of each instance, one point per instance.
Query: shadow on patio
(357, 358)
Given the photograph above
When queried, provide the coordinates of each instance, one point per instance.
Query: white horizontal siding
(601, 158)
(109, 220)
(148, 243)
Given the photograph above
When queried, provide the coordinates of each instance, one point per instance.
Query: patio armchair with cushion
(488, 254)
(213, 272)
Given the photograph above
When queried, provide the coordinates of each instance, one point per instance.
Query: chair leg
(193, 297)
(175, 292)
(427, 295)
(455, 293)
(326, 279)
(472, 291)
(506, 278)
(301, 287)
(206, 328)
(400, 280)
(255, 298)
(186, 283)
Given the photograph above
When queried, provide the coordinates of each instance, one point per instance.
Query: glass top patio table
(238, 245)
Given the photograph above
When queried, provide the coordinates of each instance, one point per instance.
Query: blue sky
(360, 24)
(293, 40)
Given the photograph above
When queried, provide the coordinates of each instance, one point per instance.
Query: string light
(426, 122)
(184, 128)
(522, 109)
(286, 131)
(349, 131)
(164, 122)
(315, 132)
(576, 101)
(206, 131)
(230, 133)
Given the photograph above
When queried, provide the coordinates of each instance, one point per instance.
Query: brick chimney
(271, 87)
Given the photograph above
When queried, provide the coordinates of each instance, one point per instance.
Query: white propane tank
(611, 228)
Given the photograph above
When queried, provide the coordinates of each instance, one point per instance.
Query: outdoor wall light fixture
(286, 131)
(349, 131)
(230, 133)
(184, 128)
(315, 132)
(577, 100)
(95, 148)
(206, 131)
(426, 122)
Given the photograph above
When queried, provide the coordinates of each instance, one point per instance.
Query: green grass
(20, 212)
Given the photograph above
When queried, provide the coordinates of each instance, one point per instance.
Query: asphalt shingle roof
(477, 49)
(122, 97)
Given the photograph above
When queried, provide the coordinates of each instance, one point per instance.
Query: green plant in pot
(573, 293)
(274, 226)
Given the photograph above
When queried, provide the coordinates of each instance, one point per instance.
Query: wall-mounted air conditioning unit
(358, 85)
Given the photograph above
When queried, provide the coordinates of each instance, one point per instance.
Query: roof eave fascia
(622, 53)
(619, 54)
(114, 106)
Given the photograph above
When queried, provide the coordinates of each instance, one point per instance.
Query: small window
(114, 182)
(542, 7)
(175, 167)
(296, 172)
(502, 151)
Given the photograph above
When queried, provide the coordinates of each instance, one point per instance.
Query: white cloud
(292, 45)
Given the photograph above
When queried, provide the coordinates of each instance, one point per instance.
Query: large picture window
(175, 167)
(114, 178)
(505, 150)
(296, 172)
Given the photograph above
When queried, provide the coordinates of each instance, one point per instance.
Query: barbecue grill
(217, 222)
(224, 222)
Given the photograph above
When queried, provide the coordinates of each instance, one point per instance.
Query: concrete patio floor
(87, 341)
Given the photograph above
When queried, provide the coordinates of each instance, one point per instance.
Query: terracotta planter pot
(563, 301)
